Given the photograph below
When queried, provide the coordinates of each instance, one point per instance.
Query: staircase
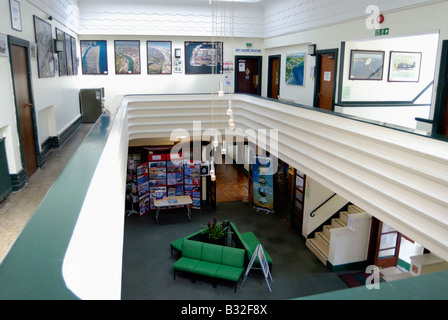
(320, 244)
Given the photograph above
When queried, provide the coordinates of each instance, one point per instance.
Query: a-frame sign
(259, 253)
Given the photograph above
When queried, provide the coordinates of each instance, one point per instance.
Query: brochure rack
(192, 172)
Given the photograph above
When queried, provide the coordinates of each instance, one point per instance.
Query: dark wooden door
(24, 107)
(326, 81)
(274, 77)
(248, 75)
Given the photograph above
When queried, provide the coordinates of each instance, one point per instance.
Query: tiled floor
(18, 208)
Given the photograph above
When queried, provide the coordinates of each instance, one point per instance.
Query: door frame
(260, 71)
(442, 92)
(14, 41)
(319, 54)
(279, 57)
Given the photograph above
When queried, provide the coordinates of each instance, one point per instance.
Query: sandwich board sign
(259, 253)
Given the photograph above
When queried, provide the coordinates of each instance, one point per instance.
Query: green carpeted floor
(147, 260)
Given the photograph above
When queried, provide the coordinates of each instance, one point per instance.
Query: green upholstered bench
(210, 260)
(250, 243)
(177, 245)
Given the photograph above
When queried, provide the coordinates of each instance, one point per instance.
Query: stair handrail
(312, 214)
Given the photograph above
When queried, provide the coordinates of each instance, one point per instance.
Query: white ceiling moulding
(157, 19)
(64, 11)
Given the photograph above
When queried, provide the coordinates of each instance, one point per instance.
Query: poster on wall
(44, 42)
(127, 57)
(203, 57)
(4, 45)
(295, 69)
(94, 57)
(263, 182)
(404, 66)
(159, 57)
(366, 65)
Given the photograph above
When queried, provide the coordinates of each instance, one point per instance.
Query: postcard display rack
(167, 175)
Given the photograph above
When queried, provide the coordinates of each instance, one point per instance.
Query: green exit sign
(382, 32)
(248, 44)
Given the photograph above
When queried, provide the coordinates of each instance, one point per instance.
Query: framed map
(159, 57)
(127, 57)
(94, 57)
(44, 43)
(203, 57)
(295, 69)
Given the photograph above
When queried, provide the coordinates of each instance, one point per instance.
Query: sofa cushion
(233, 257)
(212, 253)
(206, 268)
(177, 244)
(192, 249)
(185, 264)
(227, 272)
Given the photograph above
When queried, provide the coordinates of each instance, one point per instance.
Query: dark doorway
(326, 62)
(26, 117)
(248, 74)
(274, 77)
(441, 107)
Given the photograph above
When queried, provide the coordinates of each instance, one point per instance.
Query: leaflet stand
(259, 252)
(132, 211)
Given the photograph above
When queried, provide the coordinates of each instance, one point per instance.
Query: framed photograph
(127, 57)
(94, 57)
(4, 52)
(68, 54)
(203, 57)
(75, 60)
(366, 65)
(295, 69)
(404, 66)
(62, 55)
(160, 59)
(16, 15)
(44, 43)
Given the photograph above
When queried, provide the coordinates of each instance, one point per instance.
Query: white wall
(56, 100)
(175, 83)
(423, 19)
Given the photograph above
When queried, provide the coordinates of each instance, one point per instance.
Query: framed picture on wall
(127, 57)
(94, 57)
(295, 69)
(62, 55)
(44, 43)
(160, 59)
(366, 65)
(404, 66)
(203, 57)
(16, 15)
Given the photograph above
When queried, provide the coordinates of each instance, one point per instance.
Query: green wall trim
(19, 180)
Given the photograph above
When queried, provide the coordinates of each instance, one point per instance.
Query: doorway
(248, 74)
(326, 70)
(441, 107)
(387, 244)
(26, 117)
(274, 75)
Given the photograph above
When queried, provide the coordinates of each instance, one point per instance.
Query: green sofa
(247, 240)
(210, 260)
(250, 242)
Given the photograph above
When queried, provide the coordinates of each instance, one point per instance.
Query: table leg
(157, 214)
(189, 212)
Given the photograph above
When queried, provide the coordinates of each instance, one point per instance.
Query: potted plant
(215, 231)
